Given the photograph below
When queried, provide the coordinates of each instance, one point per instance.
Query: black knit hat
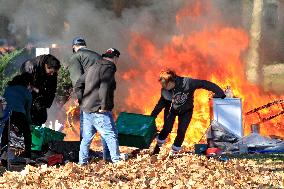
(110, 53)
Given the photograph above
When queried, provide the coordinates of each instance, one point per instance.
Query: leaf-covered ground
(185, 170)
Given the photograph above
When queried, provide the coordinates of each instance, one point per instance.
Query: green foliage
(260, 158)
(64, 85)
(4, 62)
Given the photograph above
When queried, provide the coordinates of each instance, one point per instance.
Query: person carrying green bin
(178, 92)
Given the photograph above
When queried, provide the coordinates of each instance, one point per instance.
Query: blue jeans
(104, 124)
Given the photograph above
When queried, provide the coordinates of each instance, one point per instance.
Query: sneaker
(172, 153)
(123, 156)
(156, 150)
(83, 164)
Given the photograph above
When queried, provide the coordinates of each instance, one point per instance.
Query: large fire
(215, 53)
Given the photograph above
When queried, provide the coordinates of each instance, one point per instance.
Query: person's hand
(36, 90)
(39, 103)
(76, 102)
(217, 96)
(152, 115)
(103, 111)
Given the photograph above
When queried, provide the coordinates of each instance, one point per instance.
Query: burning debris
(230, 138)
(267, 106)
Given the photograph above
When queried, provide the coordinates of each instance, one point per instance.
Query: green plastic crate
(37, 138)
(135, 130)
(43, 135)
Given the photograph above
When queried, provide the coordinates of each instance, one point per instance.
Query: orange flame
(213, 53)
(72, 123)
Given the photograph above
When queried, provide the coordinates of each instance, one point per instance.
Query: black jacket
(162, 104)
(80, 62)
(181, 96)
(46, 84)
(95, 89)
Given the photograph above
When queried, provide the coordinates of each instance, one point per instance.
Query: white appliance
(228, 112)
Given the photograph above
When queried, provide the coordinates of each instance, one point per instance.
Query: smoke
(60, 21)
(47, 22)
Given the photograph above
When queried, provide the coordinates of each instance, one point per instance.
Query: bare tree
(253, 60)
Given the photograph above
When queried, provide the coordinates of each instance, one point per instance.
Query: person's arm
(28, 106)
(75, 68)
(159, 107)
(210, 86)
(107, 78)
(31, 65)
(27, 67)
(49, 93)
(80, 87)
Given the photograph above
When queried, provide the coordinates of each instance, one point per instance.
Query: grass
(261, 158)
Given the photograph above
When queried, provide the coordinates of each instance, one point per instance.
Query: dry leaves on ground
(144, 171)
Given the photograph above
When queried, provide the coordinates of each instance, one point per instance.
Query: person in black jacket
(44, 69)
(79, 62)
(177, 96)
(81, 59)
(95, 92)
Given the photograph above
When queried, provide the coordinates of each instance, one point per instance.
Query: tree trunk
(253, 61)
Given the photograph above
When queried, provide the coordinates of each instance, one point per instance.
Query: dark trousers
(20, 121)
(183, 122)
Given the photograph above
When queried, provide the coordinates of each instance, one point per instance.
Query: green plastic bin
(135, 130)
(43, 135)
(37, 138)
